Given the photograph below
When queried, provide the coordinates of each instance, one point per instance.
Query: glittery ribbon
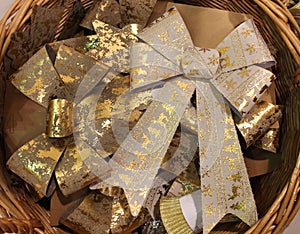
(113, 45)
(233, 72)
(55, 90)
(258, 121)
(120, 13)
(60, 118)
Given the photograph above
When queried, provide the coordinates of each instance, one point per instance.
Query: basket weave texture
(277, 194)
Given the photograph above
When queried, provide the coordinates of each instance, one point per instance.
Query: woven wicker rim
(21, 215)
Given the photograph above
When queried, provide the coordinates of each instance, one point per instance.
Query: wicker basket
(277, 194)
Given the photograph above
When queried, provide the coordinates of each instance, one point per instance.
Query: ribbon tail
(172, 167)
(80, 166)
(138, 159)
(224, 181)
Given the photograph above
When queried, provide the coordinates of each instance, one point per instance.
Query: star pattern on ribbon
(167, 57)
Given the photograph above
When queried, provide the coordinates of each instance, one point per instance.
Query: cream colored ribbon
(235, 71)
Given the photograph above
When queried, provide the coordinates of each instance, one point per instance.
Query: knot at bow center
(196, 66)
(60, 118)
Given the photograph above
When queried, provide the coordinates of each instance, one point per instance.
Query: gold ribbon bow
(56, 89)
(79, 166)
(235, 71)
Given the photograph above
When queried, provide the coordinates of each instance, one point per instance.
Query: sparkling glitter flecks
(167, 57)
(257, 122)
(39, 80)
(119, 13)
(36, 160)
(113, 45)
(60, 118)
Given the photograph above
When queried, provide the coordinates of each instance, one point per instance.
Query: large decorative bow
(63, 93)
(54, 88)
(233, 73)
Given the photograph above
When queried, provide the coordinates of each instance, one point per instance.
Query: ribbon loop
(244, 47)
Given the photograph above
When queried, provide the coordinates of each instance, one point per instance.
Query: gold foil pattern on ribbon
(119, 13)
(122, 221)
(93, 215)
(244, 87)
(129, 168)
(36, 160)
(116, 106)
(60, 118)
(269, 141)
(110, 104)
(258, 121)
(39, 80)
(168, 57)
(113, 49)
(121, 216)
(73, 173)
(79, 66)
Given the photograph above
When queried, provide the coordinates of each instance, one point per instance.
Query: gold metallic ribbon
(54, 88)
(258, 121)
(72, 172)
(269, 141)
(93, 215)
(60, 119)
(113, 45)
(168, 57)
(120, 13)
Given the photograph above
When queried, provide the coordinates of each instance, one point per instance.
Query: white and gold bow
(232, 74)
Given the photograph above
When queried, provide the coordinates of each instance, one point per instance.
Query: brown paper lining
(23, 119)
